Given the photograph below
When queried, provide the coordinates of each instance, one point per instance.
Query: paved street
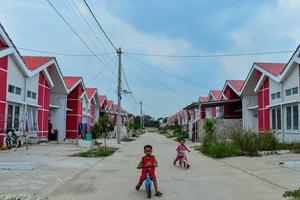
(64, 177)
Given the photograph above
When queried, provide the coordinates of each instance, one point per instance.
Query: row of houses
(267, 100)
(34, 94)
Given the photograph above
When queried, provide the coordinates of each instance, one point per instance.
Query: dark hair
(181, 139)
(147, 146)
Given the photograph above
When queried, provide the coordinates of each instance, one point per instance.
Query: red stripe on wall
(263, 105)
(3, 83)
(43, 101)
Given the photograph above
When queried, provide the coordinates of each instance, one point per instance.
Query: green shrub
(292, 194)
(220, 150)
(209, 137)
(247, 141)
(97, 152)
(268, 142)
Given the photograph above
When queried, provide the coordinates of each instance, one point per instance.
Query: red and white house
(271, 98)
(25, 99)
(94, 104)
(213, 95)
(76, 95)
(102, 104)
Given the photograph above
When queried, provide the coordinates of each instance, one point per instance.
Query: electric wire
(168, 73)
(210, 55)
(106, 36)
(153, 77)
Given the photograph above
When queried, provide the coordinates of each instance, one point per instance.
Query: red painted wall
(214, 111)
(43, 110)
(263, 103)
(92, 112)
(203, 113)
(74, 117)
(3, 83)
(232, 110)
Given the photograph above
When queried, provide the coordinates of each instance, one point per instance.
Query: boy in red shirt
(181, 151)
(148, 160)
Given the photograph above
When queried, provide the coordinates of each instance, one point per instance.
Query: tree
(105, 127)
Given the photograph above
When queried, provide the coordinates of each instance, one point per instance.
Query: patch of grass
(127, 139)
(292, 194)
(17, 197)
(220, 150)
(97, 152)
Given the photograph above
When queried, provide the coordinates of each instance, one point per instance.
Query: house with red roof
(76, 96)
(102, 104)
(93, 104)
(271, 98)
(29, 83)
(213, 95)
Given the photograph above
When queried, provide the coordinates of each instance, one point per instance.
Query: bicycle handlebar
(147, 167)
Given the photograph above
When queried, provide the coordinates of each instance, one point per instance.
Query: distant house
(94, 104)
(214, 95)
(271, 98)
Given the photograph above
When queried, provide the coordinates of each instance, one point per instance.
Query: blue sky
(158, 27)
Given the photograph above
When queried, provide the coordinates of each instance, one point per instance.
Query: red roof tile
(101, 99)
(216, 94)
(70, 81)
(274, 68)
(34, 62)
(90, 92)
(110, 103)
(237, 84)
(203, 99)
(115, 107)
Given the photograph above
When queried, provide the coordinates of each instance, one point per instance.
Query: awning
(54, 106)
(219, 103)
(284, 103)
(253, 107)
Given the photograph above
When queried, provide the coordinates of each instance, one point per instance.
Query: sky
(169, 27)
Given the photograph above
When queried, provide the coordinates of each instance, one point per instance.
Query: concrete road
(114, 178)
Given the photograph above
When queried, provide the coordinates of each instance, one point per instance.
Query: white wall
(291, 81)
(250, 120)
(32, 86)
(15, 78)
(58, 115)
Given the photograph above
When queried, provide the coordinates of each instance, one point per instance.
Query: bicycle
(183, 161)
(148, 182)
(13, 140)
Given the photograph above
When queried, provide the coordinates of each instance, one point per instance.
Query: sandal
(137, 187)
(158, 194)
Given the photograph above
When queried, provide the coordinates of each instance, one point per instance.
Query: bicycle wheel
(148, 190)
(9, 143)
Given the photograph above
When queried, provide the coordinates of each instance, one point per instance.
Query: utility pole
(141, 116)
(119, 121)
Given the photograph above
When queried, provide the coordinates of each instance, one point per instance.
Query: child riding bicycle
(181, 149)
(150, 161)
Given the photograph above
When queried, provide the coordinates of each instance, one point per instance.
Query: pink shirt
(181, 148)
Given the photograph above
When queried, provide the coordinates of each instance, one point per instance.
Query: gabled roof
(102, 99)
(203, 99)
(274, 68)
(110, 104)
(34, 62)
(236, 84)
(91, 92)
(216, 94)
(71, 81)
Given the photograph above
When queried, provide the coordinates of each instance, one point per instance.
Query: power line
(168, 73)
(110, 81)
(106, 36)
(210, 55)
(162, 83)
(62, 54)
(128, 86)
(73, 30)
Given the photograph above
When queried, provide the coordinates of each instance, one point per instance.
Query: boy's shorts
(143, 176)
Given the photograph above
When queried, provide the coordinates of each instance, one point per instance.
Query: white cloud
(272, 27)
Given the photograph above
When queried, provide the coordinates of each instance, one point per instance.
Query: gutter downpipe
(282, 113)
(25, 103)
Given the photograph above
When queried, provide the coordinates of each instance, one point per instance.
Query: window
(295, 90)
(33, 95)
(28, 94)
(288, 92)
(295, 117)
(273, 96)
(11, 89)
(278, 95)
(289, 117)
(276, 118)
(18, 91)
(13, 116)
(31, 119)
